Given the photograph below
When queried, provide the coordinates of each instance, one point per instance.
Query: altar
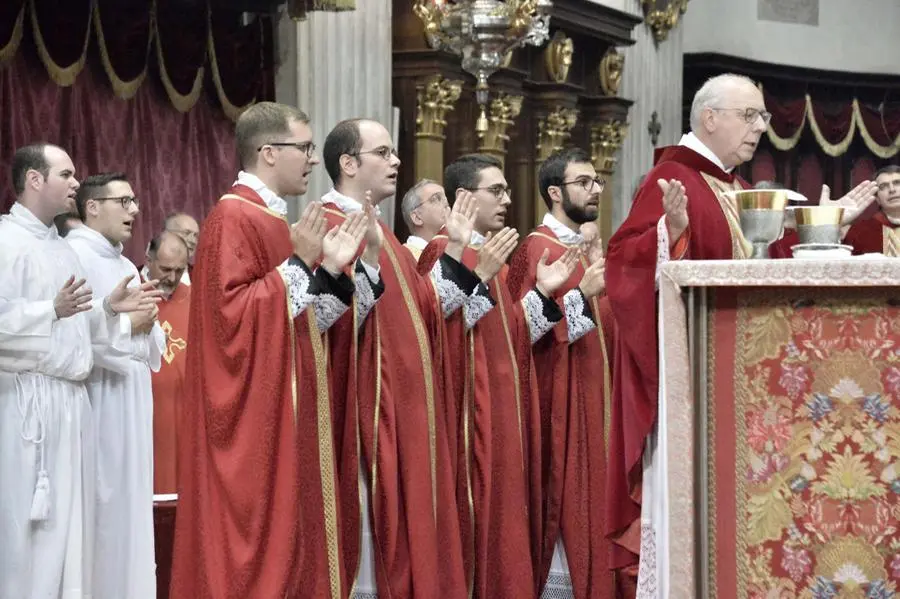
(776, 463)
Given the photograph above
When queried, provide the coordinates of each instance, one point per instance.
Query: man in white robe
(48, 322)
(121, 395)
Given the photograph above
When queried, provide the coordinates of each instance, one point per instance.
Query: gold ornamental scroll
(434, 98)
(554, 128)
(606, 141)
(504, 109)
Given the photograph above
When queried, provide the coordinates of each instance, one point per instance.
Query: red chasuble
(168, 389)
(574, 396)
(875, 235)
(498, 443)
(714, 234)
(397, 399)
(257, 514)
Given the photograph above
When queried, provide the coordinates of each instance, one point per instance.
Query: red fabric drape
(176, 161)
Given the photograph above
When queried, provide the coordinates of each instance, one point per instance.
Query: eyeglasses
(435, 198)
(498, 190)
(383, 152)
(587, 183)
(126, 201)
(304, 146)
(750, 114)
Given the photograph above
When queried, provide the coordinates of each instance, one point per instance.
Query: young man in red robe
(258, 515)
(498, 482)
(880, 233)
(573, 386)
(404, 540)
(166, 261)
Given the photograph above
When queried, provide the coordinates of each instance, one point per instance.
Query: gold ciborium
(762, 216)
(819, 224)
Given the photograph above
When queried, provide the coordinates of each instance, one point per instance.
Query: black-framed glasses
(383, 152)
(435, 198)
(750, 114)
(587, 183)
(126, 201)
(304, 146)
(498, 190)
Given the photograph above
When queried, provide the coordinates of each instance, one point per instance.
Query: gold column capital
(554, 128)
(606, 140)
(663, 15)
(503, 109)
(434, 97)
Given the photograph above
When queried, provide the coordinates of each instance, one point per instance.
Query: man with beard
(573, 382)
(166, 261)
(48, 326)
(388, 363)
(881, 232)
(499, 451)
(121, 398)
(185, 226)
(424, 209)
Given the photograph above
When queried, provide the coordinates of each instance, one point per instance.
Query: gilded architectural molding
(663, 15)
(611, 67)
(504, 109)
(606, 140)
(433, 99)
(554, 129)
(558, 57)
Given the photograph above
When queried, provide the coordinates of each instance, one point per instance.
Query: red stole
(168, 389)
(498, 449)
(257, 516)
(397, 399)
(574, 392)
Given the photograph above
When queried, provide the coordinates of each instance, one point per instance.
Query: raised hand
(142, 320)
(551, 277)
(675, 206)
(854, 203)
(73, 298)
(460, 224)
(340, 244)
(593, 244)
(134, 299)
(593, 282)
(373, 232)
(494, 253)
(307, 233)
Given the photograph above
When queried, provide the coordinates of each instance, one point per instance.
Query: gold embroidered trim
(469, 398)
(12, 46)
(890, 241)
(123, 89)
(270, 212)
(740, 247)
(181, 102)
(231, 111)
(62, 76)
(515, 366)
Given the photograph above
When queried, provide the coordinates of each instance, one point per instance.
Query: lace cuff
(334, 298)
(368, 291)
(477, 305)
(299, 284)
(579, 318)
(373, 272)
(454, 282)
(542, 314)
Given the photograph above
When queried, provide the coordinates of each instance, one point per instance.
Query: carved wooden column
(435, 97)
(504, 109)
(553, 130)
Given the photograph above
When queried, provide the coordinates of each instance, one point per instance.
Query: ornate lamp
(483, 32)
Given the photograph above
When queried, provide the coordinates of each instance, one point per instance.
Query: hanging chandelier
(482, 32)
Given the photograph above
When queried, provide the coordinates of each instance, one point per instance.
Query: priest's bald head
(729, 116)
(275, 143)
(167, 259)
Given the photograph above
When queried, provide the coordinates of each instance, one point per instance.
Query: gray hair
(711, 95)
(411, 200)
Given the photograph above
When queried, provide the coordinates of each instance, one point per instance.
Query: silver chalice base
(830, 234)
(761, 227)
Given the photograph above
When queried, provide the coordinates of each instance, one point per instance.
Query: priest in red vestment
(880, 233)
(498, 481)
(573, 384)
(167, 259)
(258, 516)
(402, 535)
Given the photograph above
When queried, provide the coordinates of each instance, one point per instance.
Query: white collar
(477, 239)
(691, 141)
(562, 232)
(347, 204)
(96, 241)
(25, 218)
(273, 201)
(417, 242)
